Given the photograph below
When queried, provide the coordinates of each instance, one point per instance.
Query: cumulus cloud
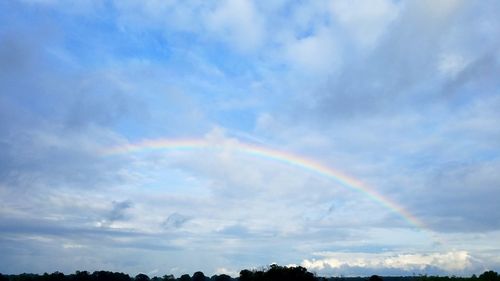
(355, 263)
(366, 21)
(239, 23)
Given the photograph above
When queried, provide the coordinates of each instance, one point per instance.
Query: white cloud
(72, 246)
(223, 270)
(453, 262)
(450, 64)
(365, 20)
(314, 54)
(238, 22)
(441, 8)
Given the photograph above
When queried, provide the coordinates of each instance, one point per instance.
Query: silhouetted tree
(3, 277)
(141, 277)
(198, 276)
(185, 277)
(81, 276)
(272, 273)
(56, 276)
(168, 277)
(222, 277)
(276, 272)
(489, 276)
(246, 275)
(375, 278)
(109, 276)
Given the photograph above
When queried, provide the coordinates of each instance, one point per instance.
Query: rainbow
(272, 154)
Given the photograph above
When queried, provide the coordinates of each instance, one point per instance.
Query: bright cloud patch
(342, 263)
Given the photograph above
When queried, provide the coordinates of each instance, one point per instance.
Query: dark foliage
(489, 276)
(141, 277)
(273, 272)
(222, 277)
(276, 272)
(199, 276)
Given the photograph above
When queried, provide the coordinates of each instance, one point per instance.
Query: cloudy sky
(401, 98)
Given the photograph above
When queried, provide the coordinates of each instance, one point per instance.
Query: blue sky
(400, 95)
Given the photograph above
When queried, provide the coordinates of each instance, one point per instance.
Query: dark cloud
(54, 116)
(395, 105)
(59, 246)
(60, 229)
(461, 197)
(48, 157)
(175, 220)
(118, 212)
(401, 73)
(478, 78)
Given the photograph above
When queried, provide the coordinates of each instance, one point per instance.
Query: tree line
(271, 273)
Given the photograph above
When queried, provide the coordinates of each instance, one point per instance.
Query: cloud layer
(402, 96)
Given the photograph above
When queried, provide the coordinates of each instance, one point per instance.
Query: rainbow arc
(300, 162)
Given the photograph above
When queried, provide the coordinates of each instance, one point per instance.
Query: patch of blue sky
(104, 43)
(243, 119)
